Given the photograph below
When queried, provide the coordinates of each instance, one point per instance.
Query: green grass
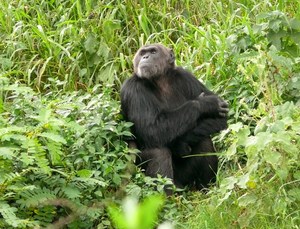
(81, 43)
(247, 51)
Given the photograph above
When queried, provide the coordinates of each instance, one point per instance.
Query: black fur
(172, 123)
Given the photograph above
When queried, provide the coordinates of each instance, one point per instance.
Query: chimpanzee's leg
(197, 171)
(156, 161)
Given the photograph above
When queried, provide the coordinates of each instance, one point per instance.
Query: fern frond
(54, 137)
(7, 152)
(55, 152)
(35, 148)
(32, 198)
(12, 129)
(8, 213)
(9, 178)
(90, 181)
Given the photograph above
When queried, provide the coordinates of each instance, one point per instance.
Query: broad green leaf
(263, 139)
(243, 180)
(275, 39)
(231, 150)
(228, 183)
(85, 173)
(277, 126)
(104, 50)
(247, 199)
(282, 172)
(91, 44)
(282, 137)
(251, 141)
(236, 127)
(109, 27)
(126, 133)
(117, 179)
(243, 136)
(272, 157)
(275, 25)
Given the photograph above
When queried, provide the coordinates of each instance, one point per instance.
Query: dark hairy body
(174, 116)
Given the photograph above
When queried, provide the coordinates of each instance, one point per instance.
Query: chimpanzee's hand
(223, 108)
(212, 105)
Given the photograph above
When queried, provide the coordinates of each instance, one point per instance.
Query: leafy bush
(259, 177)
(66, 151)
(265, 183)
(263, 191)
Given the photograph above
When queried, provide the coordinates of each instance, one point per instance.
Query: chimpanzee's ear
(172, 57)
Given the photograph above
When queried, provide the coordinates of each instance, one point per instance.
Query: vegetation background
(63, 159)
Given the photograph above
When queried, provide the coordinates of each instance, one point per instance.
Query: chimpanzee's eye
(142, 52)
(153, 51)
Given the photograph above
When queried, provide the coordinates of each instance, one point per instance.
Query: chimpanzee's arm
(211, 105)
(154, 125)
(209, 123)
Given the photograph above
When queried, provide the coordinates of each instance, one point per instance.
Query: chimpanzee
(174, 116)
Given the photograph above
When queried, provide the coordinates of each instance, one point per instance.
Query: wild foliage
(63, 156)
(67, 148)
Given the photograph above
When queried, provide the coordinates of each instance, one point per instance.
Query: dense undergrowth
(63, 158)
